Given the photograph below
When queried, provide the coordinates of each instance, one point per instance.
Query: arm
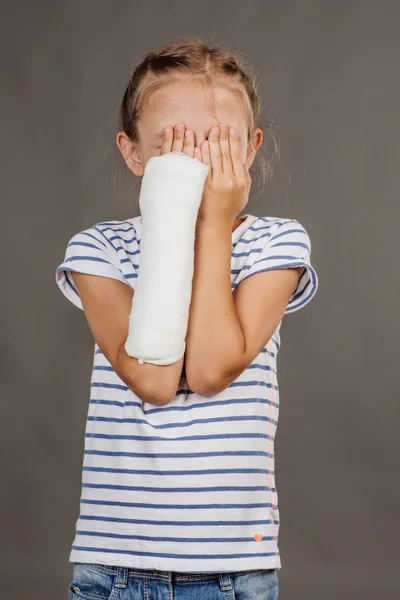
(107, 304)
(227, 331)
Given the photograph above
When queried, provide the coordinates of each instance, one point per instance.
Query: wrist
(215, 223)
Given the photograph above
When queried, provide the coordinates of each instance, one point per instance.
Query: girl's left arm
(226, 330)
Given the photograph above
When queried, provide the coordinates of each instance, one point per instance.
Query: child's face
(190, 104)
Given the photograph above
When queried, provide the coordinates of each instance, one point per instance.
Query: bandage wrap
(170, 197)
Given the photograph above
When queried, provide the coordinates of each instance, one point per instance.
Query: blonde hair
(209, 65)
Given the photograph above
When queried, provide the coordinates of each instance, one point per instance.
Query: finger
(166, 140)
(205, 153)
(215, 152)
(179, 134)
(197, 154)
(225, 150)
(188, 145)
(235, 153)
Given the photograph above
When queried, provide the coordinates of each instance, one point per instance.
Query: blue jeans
(102, 582)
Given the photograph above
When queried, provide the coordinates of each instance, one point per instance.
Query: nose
(199, 138)
(201, 135)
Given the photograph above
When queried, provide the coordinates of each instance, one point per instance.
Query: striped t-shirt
(188, 486)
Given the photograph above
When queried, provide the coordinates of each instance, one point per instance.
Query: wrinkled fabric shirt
(189, 486)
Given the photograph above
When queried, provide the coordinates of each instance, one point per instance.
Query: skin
(186, 109)
(226, 330)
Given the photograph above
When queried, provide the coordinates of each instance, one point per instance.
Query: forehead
(194, 105)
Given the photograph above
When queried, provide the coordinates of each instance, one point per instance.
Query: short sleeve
(87, 252)
(288, 246)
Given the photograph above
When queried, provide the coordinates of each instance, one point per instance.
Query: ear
(253, 148)
(129, 151)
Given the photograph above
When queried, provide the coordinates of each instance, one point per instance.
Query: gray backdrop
(330, 76)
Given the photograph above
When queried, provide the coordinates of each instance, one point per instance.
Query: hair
(208, 64)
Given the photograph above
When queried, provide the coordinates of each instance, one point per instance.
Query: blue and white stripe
(187, 486)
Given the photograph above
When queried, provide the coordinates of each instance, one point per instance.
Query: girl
(178, 489)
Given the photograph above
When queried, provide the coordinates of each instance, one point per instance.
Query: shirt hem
(179, 566)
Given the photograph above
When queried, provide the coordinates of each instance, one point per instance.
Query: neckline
(236, 233)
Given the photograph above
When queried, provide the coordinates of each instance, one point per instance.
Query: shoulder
(273, 225)
(263, 230)
(276, 243)
(119, 233)
(278, 231)
(107, 249)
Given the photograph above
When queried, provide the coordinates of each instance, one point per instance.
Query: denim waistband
(171, 576)
(178, 576)
(123, 573)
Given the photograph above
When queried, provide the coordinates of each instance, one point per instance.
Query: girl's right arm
(107, 304)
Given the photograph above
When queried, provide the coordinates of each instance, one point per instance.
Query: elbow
(153, 384)
(206, 382)
(158, 396)
(211, 377)
(149, 390)
(206, 385)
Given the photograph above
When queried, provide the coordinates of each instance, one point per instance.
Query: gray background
(330, 76)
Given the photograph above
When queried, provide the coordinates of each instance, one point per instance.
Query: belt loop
(225, 581)
(121, 578)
